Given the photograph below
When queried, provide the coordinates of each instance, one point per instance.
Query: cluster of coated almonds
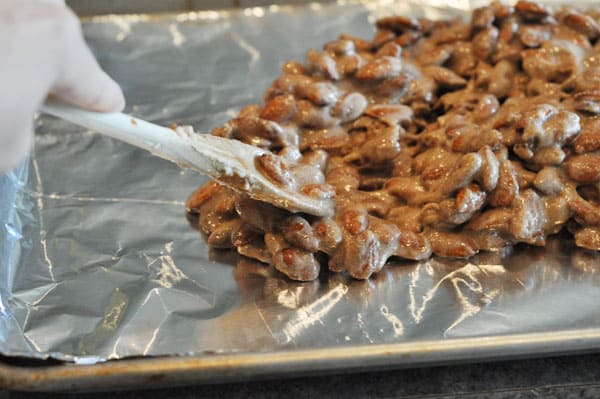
(436, 137)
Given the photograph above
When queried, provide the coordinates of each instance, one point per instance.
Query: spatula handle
(159, 140)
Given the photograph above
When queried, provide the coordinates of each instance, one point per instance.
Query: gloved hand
(42, 51)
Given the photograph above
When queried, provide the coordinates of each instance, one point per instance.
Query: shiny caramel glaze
(434, 137)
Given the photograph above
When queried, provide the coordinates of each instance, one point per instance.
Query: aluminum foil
(98, 261)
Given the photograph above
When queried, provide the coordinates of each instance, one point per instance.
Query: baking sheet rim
(181, 370)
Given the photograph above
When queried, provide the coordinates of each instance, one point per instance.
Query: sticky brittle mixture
(434, 138)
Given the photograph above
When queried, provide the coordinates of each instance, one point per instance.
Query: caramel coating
(437, 138)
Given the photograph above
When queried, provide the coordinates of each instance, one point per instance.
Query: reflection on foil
(40, 208)
(308, 315)
(55, 196)
(258, 12)
(97, 261)
(167, 273)
(125, 25)
(470, 293)
(393, 319)
(421, 300)
(251, 50)
(178, 38)
(111, 318)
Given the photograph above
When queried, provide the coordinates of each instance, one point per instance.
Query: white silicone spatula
(230, 162)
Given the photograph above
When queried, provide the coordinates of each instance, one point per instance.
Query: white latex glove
(42, 51)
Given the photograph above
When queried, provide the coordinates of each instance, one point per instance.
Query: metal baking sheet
(98, 263)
